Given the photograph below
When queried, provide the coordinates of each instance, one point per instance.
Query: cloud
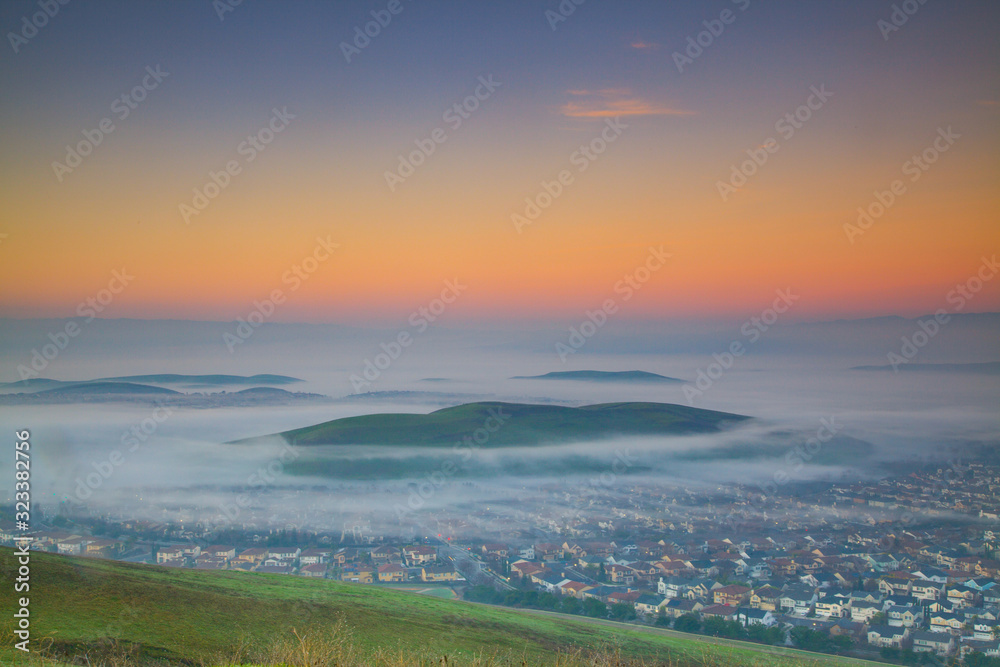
(611, 102)
(643, 45)
(989, 103)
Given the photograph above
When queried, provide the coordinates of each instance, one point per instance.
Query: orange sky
(655, 185)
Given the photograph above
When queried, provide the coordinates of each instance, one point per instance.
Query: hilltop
(40, 384)
(522, 424)
(638, 377)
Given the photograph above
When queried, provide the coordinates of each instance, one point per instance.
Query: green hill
(524, 424)
(604, 376)
(105, 610)
(106, 388)
(170, 378)
(39, 384)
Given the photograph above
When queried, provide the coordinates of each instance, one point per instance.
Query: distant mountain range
(987, 368)
(106, 388)
(42, 384)
(603, 376)
(513, 424)
(115, 390)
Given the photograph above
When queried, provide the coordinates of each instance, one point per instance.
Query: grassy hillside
(604, 376)
(525, 425)
(106, 609)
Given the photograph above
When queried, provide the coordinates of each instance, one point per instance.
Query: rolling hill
(638, 377)
(523, 424)
(169, 616)
(120, 388)
(39, 384)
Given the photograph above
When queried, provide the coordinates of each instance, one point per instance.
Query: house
(275, 569)
(314, 557)
(438, 573)
(882, 562)
(220, 551)
(766, 598)
(344, 555)
(624, 597)
(386, 554)
(933, 642)
(905, 616)
(357, 574)
(733, 595)
(946, 622)
(574, 588)
(102, 548)
(419, 555)
(317, 570)
(74, 546)
(748, 617)
(831, 607)
(548, 581)
(548, 552)
(887, 636)
(678, 607)
(926, 590)
(896, 584)
(525, 568)
(797, 601)
(962, 596)
(863, 611)
(620, 574)
(649, 603)
(985, 628)
(283, 553)
(191, 550)
(643, 571)
(170, 556)
(392, 572)
(252, 555)
(723, 611)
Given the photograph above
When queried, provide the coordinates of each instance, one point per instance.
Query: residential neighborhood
(872, 569)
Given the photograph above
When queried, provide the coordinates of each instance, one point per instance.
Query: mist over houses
(886, 567)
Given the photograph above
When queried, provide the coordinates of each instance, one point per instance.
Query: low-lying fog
(136, 459)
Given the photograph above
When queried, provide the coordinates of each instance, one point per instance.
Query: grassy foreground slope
(198, 617)
(524, 424)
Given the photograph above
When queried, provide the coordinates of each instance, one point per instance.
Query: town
(903, 569)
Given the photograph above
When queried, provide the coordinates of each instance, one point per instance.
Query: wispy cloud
(989, 103)
(611, 102)
(643, 45)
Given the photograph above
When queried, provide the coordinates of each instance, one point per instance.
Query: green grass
(525, 425)
(196, 616)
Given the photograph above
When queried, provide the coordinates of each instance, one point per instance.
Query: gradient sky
(655, 185)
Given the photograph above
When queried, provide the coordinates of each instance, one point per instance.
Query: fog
(140, 460)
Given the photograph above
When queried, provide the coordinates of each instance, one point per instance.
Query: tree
(687, 623)
(718, 627)
(570, 605)
(622, 611)
(661, 619)
(594, 608)
(810, 640)
(841, 643)
(774, 635)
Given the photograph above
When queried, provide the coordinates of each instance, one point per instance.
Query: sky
(634, 141)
